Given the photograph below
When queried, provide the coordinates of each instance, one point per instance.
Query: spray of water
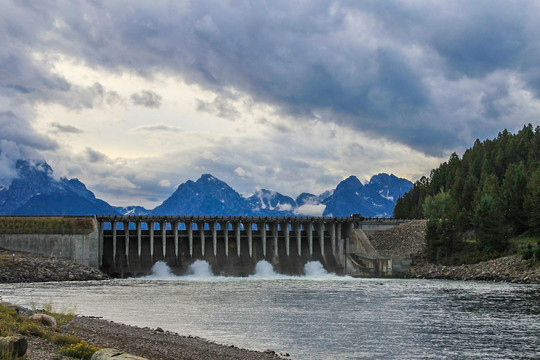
(315, 269)
(265, 271)
(200, 269)
(161, 271)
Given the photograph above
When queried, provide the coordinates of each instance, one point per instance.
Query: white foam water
(201, 270)
(161, 271)
(265, 271)
(314, 269)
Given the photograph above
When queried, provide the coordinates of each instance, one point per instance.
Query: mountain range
(36, 192)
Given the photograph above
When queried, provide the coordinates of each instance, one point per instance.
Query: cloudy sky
(135, 97)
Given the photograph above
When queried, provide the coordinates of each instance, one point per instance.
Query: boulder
(113, 354)
(15, 346)
(44, 319)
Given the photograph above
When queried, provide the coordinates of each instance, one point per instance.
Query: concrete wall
(363, 260)
(82, 249)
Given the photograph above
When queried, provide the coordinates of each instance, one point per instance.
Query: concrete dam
(128, 246)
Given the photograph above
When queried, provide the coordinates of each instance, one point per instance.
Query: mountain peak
(268, 202)
(206, 196)
(36, 192)
(375, 199)
(207, 177)
(351, 183)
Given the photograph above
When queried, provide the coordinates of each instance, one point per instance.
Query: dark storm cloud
(18, 130)
(146, 98)
(418, 73)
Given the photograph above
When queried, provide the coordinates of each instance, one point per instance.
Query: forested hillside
(480, 203)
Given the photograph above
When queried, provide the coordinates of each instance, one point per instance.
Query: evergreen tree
(532, 202)
(513, 194)
(489, 224)
(494, 189)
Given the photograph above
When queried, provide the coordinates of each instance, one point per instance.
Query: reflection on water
(318, 318)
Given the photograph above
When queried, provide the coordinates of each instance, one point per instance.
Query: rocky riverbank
(507, 269)
(18, 267)
(407, 241)
(45, 342)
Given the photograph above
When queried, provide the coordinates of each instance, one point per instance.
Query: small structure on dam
(127, 246)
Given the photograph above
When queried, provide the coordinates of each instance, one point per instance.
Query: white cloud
(164, 183)
(310, 210)
(240, 172)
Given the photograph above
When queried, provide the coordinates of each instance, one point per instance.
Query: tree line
(484, 199)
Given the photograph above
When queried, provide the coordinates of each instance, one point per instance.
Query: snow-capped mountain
(36, 192)
(132, 210)
(307, 198)
(270, 203)
(206, 196)
(375, 199)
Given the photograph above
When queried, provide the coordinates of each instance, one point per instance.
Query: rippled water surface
(319, 316)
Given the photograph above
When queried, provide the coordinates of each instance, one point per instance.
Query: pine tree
(532, 202)
(513, 195)
(489, 225)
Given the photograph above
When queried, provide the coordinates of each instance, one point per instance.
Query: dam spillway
(130, 245)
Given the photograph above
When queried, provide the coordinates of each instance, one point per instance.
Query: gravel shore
(26, 267)
(157, 344)
(153, 344)
(506, 269)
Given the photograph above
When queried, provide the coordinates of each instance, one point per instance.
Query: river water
(316, 316)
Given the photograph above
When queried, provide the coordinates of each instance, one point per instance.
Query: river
(316, 316)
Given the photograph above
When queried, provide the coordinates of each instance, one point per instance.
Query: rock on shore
(27, 267)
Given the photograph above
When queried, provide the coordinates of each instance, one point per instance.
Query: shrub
(62, 316)
(31, 328)
(64, 339)
(81, 350)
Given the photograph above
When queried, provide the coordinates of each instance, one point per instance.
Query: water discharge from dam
(201, 270)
